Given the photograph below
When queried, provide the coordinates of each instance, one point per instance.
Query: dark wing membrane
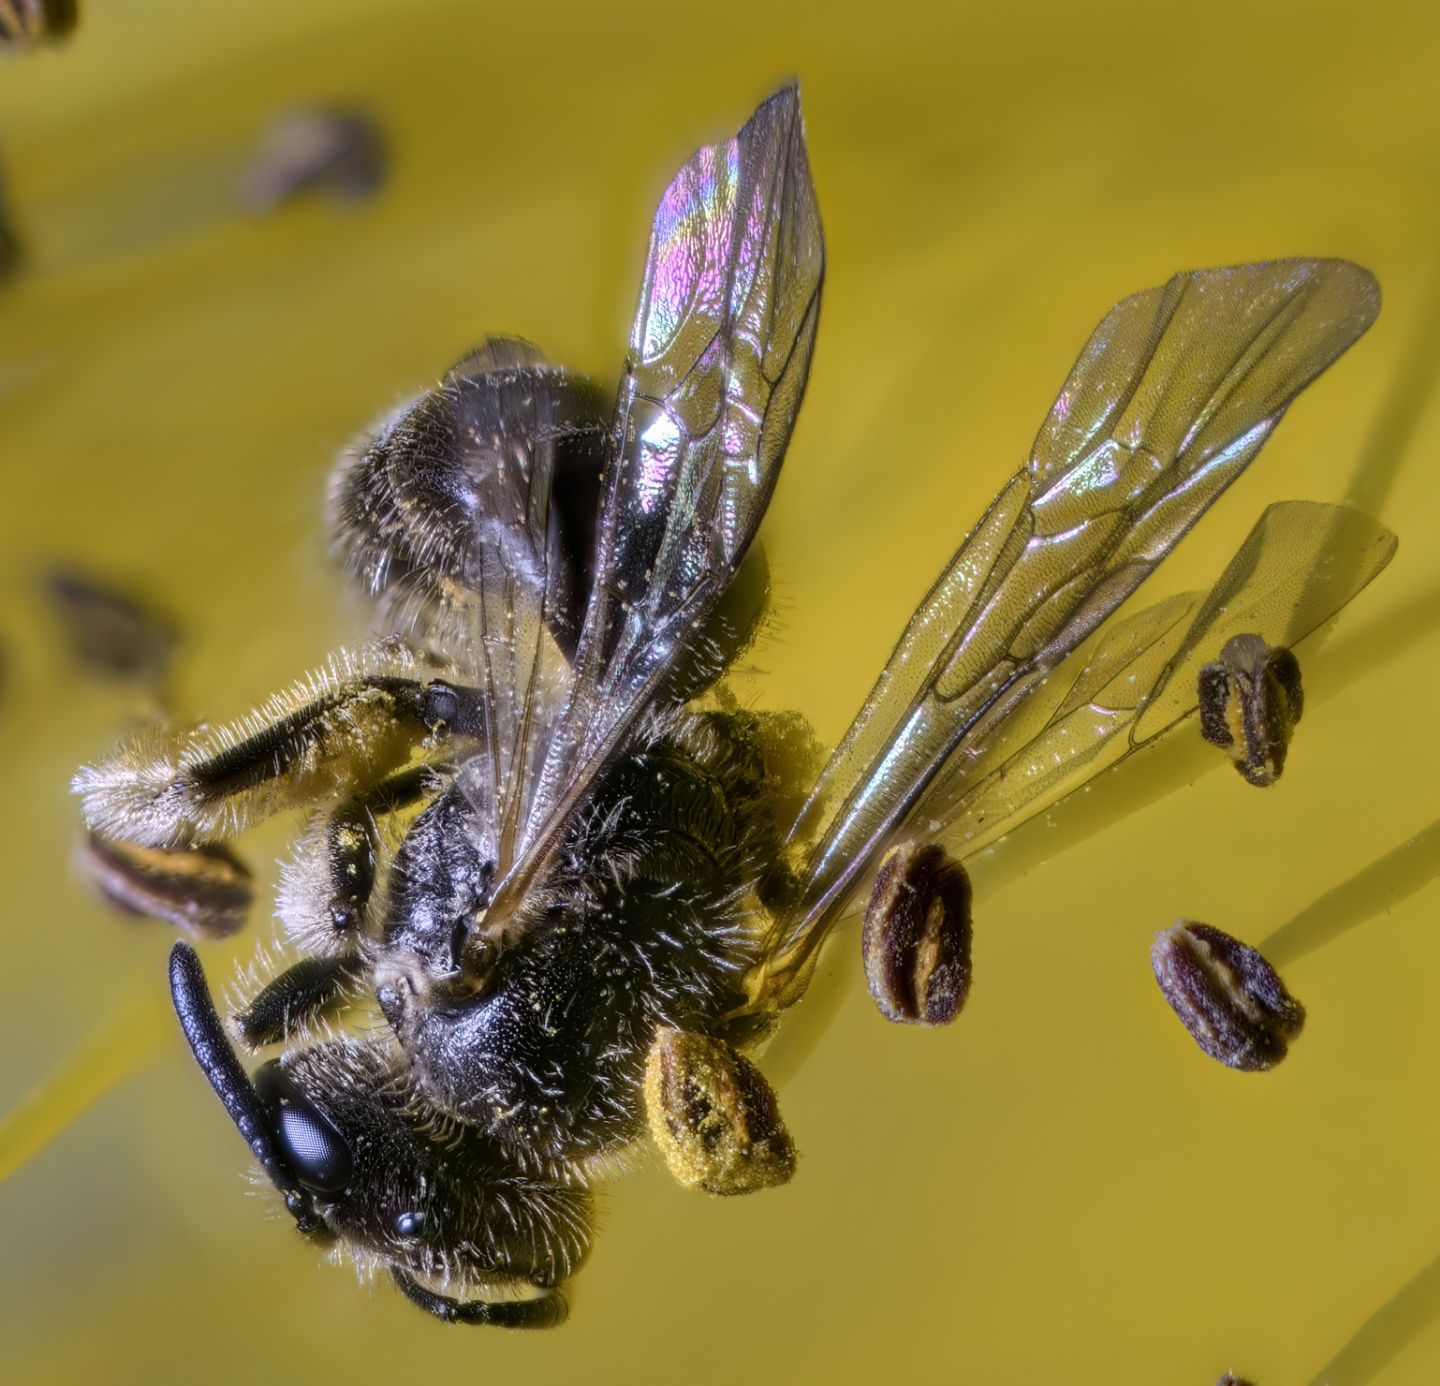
(1300, 565)
(1175, 392)
(718, 360)
(463, 517)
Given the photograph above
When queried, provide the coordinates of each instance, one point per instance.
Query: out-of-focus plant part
(341, 152)
(12, 253)
(1250, 700)
(111, 1055)
(1227, 996)
(109, 631)
(24, 23)
(205, 890)
(714, 1117)
(916, 940)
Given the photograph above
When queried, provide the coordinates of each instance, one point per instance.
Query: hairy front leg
(335, 734)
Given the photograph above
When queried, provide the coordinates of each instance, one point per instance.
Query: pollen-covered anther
(916, 939)
(1250, 700)
(714, 1116)
(1227, 996)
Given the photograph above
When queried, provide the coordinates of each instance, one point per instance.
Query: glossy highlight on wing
(1300, 565)
(1174, 394)
(719, 355)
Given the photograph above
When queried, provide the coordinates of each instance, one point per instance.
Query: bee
(546, 848)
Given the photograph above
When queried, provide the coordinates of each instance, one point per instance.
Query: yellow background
(1058, 1189)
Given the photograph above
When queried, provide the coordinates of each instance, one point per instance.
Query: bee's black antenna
(545, 1312)
(208, 1042)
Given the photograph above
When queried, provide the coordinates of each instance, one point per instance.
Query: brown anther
(916, 939)
(1227, 996)
(206, 890)
(109, 631)
(341, 152)
(714, 1117)
(24, 23)
(1250, 701)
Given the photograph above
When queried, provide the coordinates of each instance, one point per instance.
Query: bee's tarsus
(547, 1311)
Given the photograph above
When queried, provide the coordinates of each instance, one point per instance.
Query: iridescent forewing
(1172, 397)
(1300, 565)
(718, 361)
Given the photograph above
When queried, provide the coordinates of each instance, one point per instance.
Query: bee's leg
(336, 734)
(322, 903)
(328, 882)
(300, 994)
(546, 1312)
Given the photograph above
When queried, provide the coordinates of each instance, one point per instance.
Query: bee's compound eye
(306, 1140)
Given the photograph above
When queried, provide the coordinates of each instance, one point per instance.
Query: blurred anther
(916, 939)
(12, 253)
(714, 1116)
(1250, 701)
(108, 631)
(1227, 996)
(341, 152)
(24, 23)
(206, 891)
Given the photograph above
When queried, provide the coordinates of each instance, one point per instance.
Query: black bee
(547, 848)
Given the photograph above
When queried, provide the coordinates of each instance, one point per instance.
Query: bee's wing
(1302, 563)
(518, 607)
(718, 360)
(1175, 392)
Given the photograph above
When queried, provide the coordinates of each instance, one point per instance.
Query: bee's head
(361, 1162)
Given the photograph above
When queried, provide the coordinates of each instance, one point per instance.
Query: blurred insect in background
(556, 882)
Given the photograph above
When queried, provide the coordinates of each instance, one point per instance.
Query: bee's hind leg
(333, 735)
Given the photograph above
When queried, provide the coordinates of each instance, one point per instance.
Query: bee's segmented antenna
(232, 1085)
